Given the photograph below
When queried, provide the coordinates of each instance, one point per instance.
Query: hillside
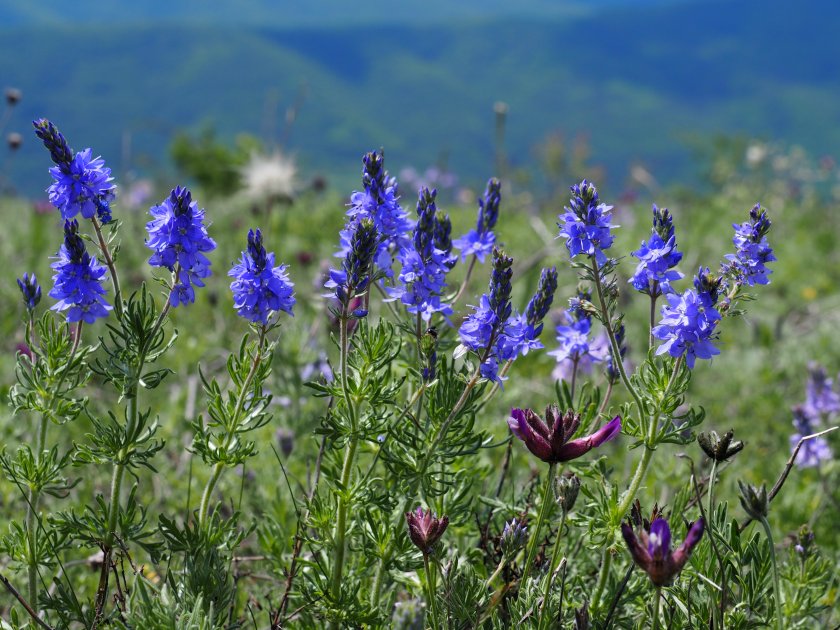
(638, 81)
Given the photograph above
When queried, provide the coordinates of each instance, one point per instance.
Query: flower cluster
(179, 238)
(585, 224)
(354, 276)
(30, 290)
(379, 203)
(657, 257)
(424, 266)
(821, 405)
(651, 550)
(78, 280)
(752, 251)
(81, 183)
(479, 242)
(576, 350)
(523, 331)
(687, 327)
(551, 439)
(259, 287)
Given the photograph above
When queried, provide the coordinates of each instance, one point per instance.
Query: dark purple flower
(425, 528)
(651, 551)
(551, 439)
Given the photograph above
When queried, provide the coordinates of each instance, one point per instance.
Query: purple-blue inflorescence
(379, 203)
(657, 257)
(479, 242)
(259, 288)
(688, 327)
(522, 333)
(354, 276)
(424, 266)
(179, 238)
(77, 282)
(585, 224)
(821, 406)
(577, 351)
(30, 290)
(81, 183)
(752, 251)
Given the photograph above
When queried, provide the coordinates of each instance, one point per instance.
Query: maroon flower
(550, 440)
(425, 528)
(652, 551)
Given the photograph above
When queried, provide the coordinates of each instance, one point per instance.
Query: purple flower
(815, 451)
(78, 280)
(480, 241)
(81, 183)
(179, 238)
(259, 287)
(821, 401)
(551, 440)
(379, 203)
(425, 528)
(708, 287)
(687, 327)
(651, 551)
(657, 257)
(424, 266)
(585, 224)
(752, 251)
(354, 276)
(576, 350)
(30, 290)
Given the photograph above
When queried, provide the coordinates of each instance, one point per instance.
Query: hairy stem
(32, 520)
(657, 595)
(431, 590)
(545, 509)
(545, 616)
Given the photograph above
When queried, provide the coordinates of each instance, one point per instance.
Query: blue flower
(354, 276)
(30, 290)
(522, 332)
(576, 348)
(77, 282)
(179, 238)
(687, 327)
(259, 287)
(657, 257)
(821, 401)
(479, 242)
(424, 266)
(81, 183)
(752, 251)
(585, 224)
(708, 287)
(378, 202)
(814, 451)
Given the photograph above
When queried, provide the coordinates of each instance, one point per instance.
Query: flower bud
(753, 500)
(719, 447)
(566, 488)
(514, 536)
(425, 528)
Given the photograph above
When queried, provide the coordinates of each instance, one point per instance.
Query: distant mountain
(636, 80)
(293, 12)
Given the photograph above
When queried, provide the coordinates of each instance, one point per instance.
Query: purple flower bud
(651, 551)
(425, 528)
(550, 440)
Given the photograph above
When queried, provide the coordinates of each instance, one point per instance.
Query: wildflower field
(395, 407)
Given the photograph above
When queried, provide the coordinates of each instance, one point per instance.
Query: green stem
(710, 511)
(496, 573)
(431, 590)
(657, 595)
(616, 350)
(32, 521)
(206, 496)
(549, 579)
(112, 269)
(376, 593)
(776, 588)
(652, 318)
(464, 283)
(347, 468)
(545, 509)
(606, 562)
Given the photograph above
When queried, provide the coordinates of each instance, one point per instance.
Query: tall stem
(112, 269)
(545, 509)
(657, 595)
(549, 579)
(32, 521)
(344, 498)
(606, 563)
(430, 586)
(776, 588)
(207, 495)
